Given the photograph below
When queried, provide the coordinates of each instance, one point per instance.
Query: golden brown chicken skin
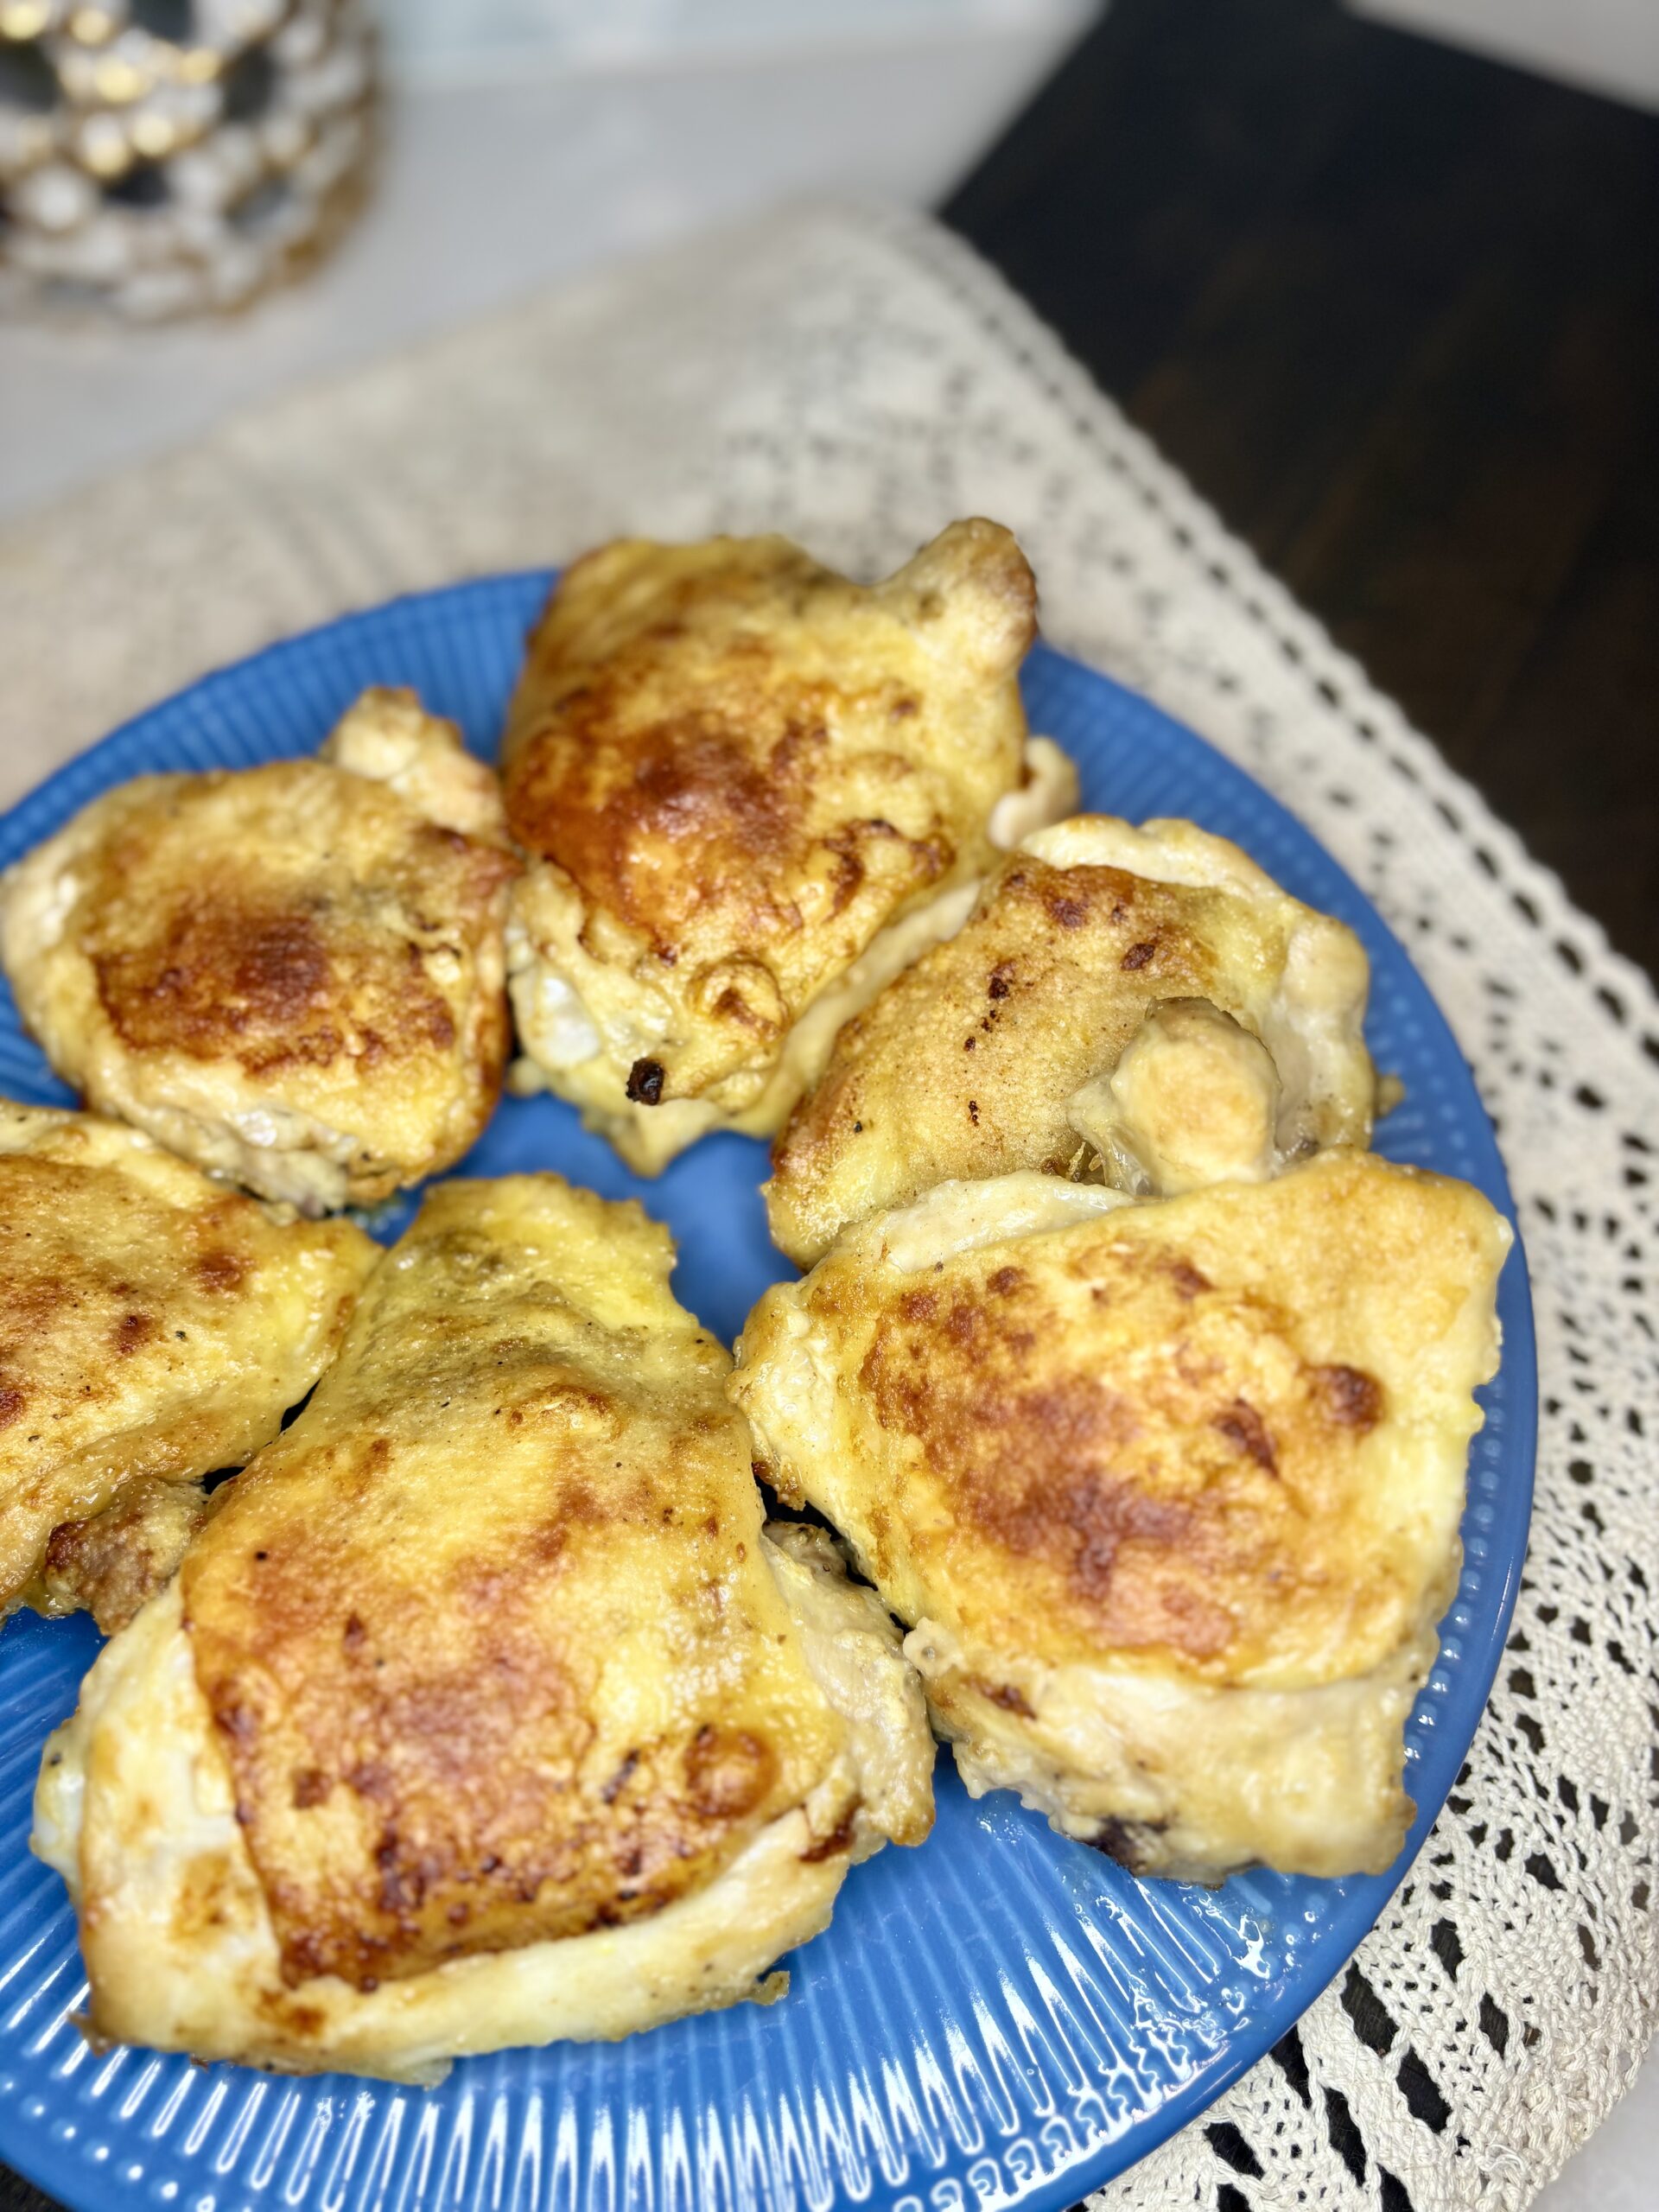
(487, 1710)
(1141, 1006)
(1168, 1491)
(154, 1327)
(749, 786)
(293, 975)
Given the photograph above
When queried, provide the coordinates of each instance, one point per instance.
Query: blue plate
(999, 2018)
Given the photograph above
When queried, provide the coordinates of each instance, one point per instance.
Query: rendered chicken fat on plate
(487, 1710)
(294, 974)
(154, 1327)
(1168, 1491)
(1143, 1007)
(751, 792)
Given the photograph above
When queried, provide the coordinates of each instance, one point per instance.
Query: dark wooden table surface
(1395, 312)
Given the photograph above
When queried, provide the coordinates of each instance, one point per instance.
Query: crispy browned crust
(246, 976)
(151, 1322)
(115, 1561)
(1171, 1431)
(748, 765)
(198, 951)
(966, 1065)
(281, 951)
(962, 1066)
(1153, 1512)
(486, 1634)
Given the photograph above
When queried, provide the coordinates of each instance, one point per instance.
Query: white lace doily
(857, 378)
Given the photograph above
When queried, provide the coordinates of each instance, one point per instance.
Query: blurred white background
(527, 140)
(446, 38)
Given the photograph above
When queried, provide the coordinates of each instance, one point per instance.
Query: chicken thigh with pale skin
(1168, 1491)
(751, 791)
(1143, 1007)
(487, 1711)
(294, 974)
(154, 1328)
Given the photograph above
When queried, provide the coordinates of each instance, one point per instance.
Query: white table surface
(492, 189)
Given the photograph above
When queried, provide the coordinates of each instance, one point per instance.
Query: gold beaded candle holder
(161, 157)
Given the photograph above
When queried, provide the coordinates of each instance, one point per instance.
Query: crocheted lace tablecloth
(855, 378)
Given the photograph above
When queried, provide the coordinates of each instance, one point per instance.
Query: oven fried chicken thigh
(1168, 1491)
(1144, 1006)
(750, 790)
(487, 1711)
(154, 1327)
(293, 975)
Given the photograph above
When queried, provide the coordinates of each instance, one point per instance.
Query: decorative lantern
(164, 157)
